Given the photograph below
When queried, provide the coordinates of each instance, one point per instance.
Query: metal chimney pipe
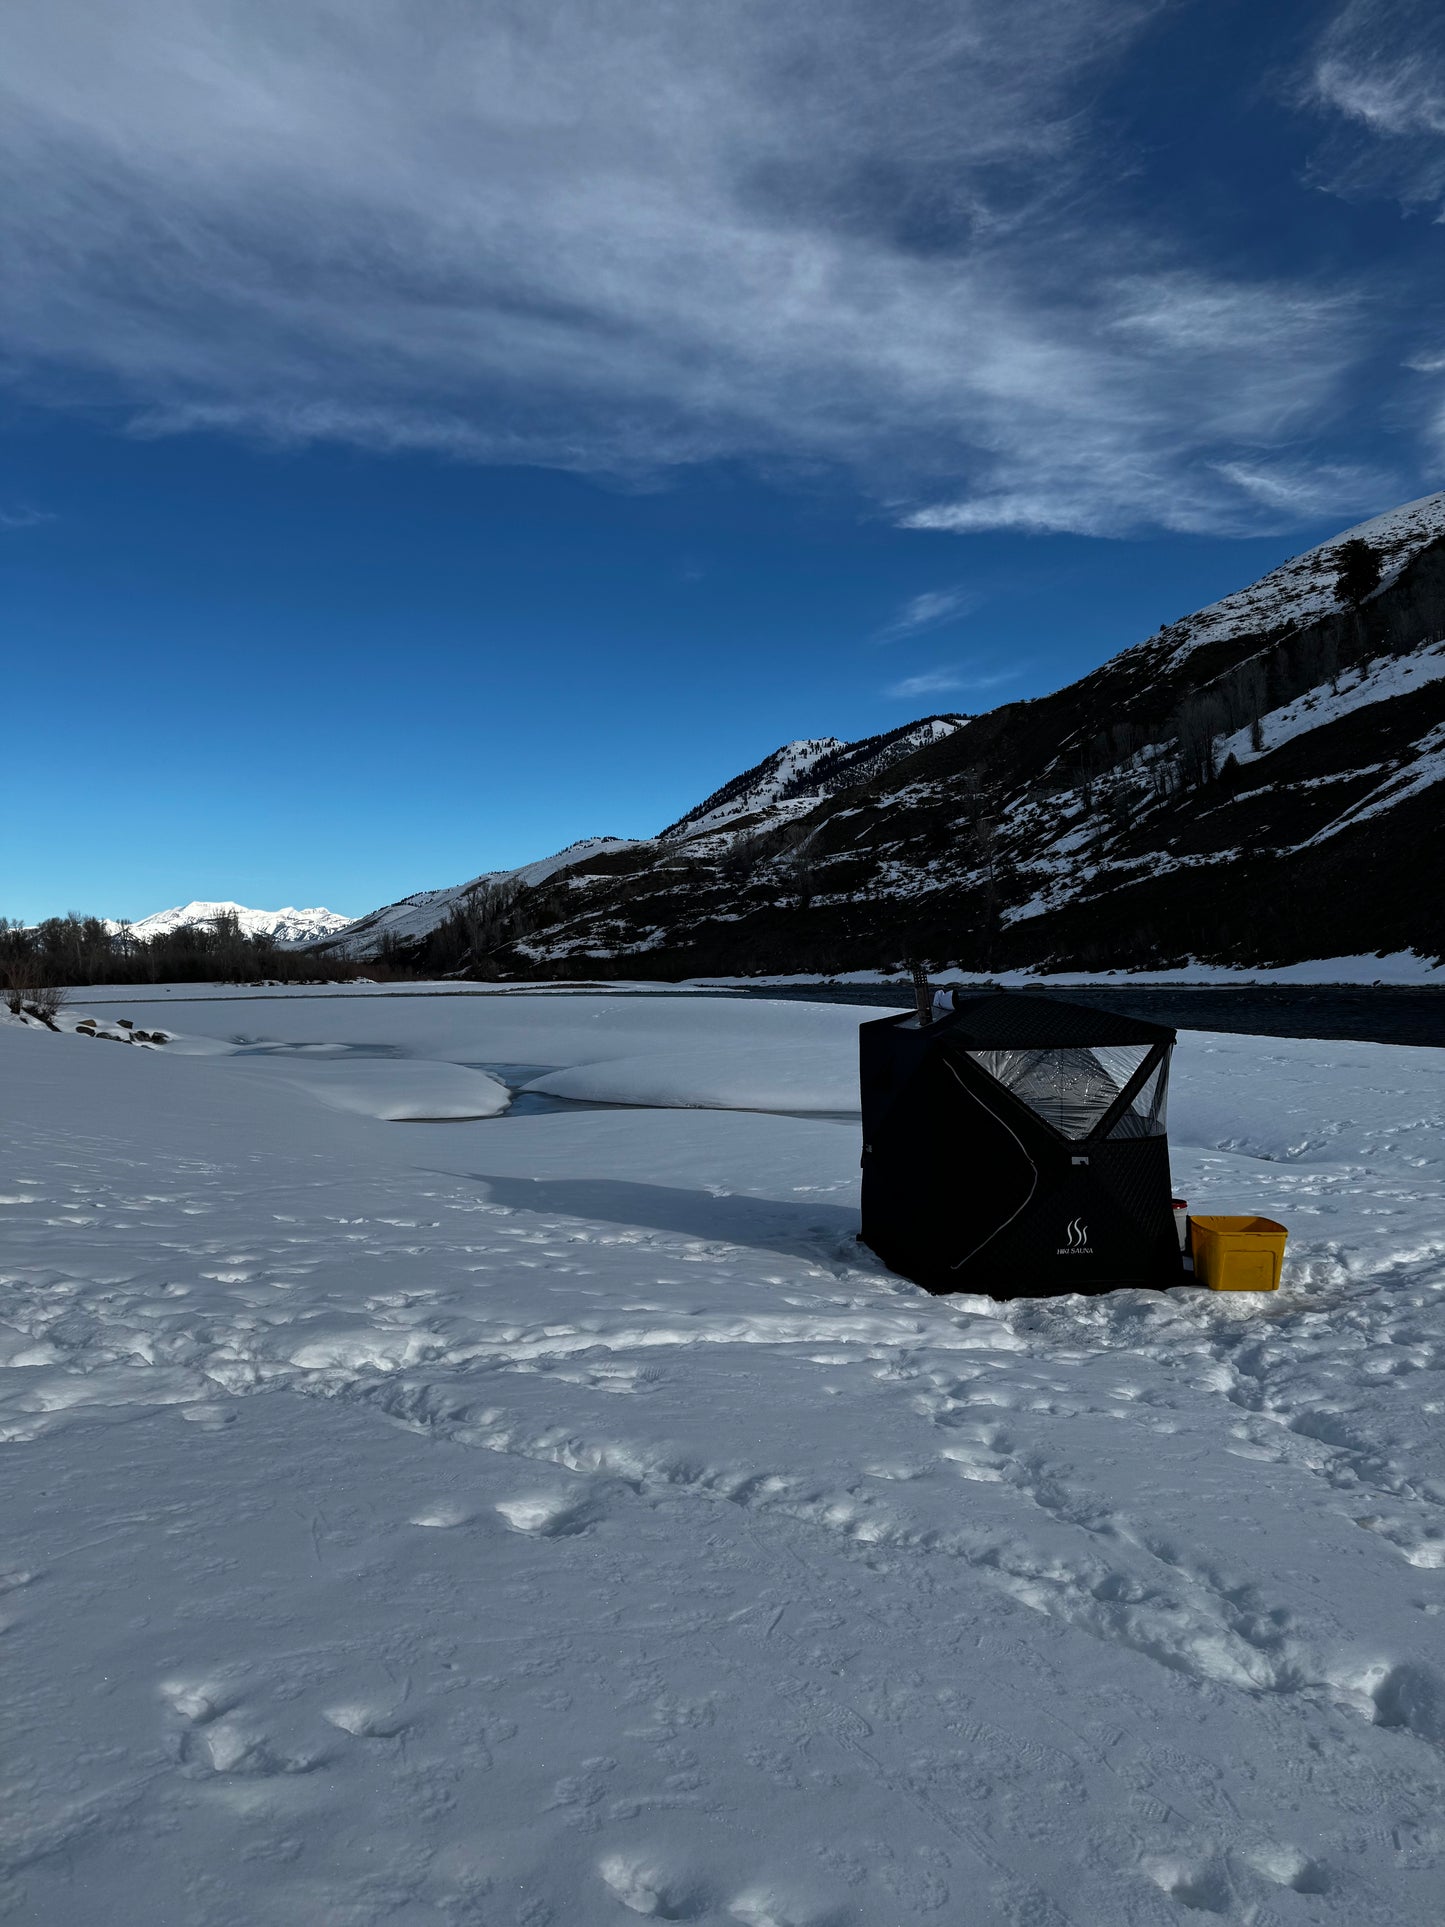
(922, 996)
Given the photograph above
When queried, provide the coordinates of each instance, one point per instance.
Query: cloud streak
(937, 682)
(822, 239)
(933, 609)
(1380, 67)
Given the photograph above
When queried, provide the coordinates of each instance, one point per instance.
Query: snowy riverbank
(1399, 967)
(555, 1517)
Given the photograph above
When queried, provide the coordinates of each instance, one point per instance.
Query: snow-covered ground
(557, 1518)
(1403, 967)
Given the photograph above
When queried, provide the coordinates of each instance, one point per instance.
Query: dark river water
(1371, 1015)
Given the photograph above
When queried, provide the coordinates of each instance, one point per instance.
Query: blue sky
(436, 431)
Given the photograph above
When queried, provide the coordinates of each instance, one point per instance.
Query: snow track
(558, 1518)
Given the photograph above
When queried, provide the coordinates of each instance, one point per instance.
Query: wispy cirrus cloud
(845, 238)
(933, 609)
(1308, 491)
(23, 518)
(1262, 362)
(1380, 66)
(938, 682)
(1377, 75)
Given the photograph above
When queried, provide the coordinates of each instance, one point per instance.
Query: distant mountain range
(283, 926)
(1261, 782)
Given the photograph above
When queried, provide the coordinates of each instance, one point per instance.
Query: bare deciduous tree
(46, 1002)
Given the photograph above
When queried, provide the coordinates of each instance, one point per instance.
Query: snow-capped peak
(282, 926)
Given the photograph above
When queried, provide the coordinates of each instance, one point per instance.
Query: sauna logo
(1078, 1245)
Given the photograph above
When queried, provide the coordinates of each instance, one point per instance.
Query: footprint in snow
(650, 1885)
(441, 1516)
(1203, 1887)
(548, 1515)
(364, 1722)
(198, 1701)
(765, 1907)
(214, 1742)
(232, 1748)
(1287, 1867)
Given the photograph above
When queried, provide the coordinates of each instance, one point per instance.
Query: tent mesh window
(1146, 1115)
(1072, 1088)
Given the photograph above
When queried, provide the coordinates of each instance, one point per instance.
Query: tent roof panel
(1014, 1020)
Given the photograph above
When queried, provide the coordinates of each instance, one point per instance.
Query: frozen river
(424, 1503)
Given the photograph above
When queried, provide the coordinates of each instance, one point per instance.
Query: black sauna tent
(1017, 1147)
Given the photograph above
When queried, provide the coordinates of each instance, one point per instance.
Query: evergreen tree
(1359, 572)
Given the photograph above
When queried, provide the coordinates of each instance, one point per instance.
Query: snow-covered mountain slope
(767, 782)
(1377, 681)
(787, 784)
(1304, 587)
(283, 926)
(1273, 791)
(586, 849)
(416, 916)
(1261, 783)
(798, 776)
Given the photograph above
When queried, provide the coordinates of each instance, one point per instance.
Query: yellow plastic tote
(1237, 1254)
